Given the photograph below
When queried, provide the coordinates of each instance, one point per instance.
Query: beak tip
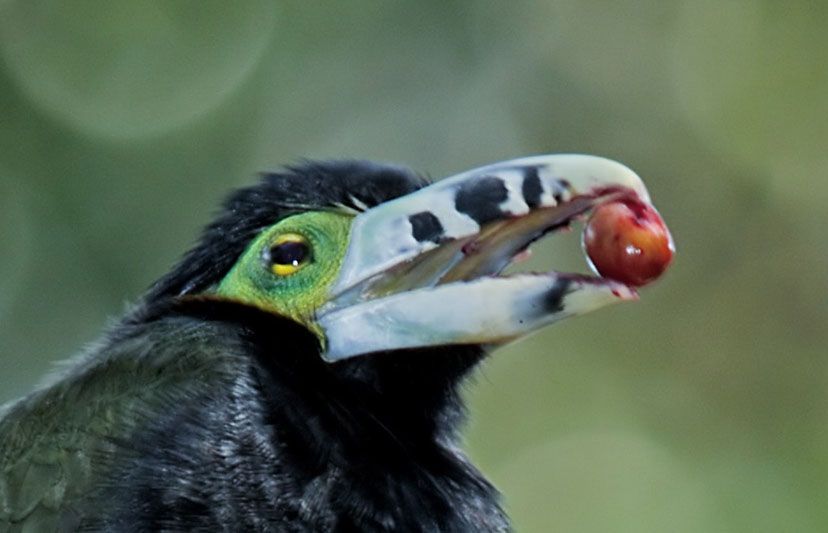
(619, 290)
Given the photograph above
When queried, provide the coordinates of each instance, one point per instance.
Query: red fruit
(628, 241)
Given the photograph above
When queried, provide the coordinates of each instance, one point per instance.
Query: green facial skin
(299, 294)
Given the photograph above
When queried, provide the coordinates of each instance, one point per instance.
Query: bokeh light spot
(596, 480)
(131, 69)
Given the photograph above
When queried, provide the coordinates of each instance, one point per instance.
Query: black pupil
(289, 253)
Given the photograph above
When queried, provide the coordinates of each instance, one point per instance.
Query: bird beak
(423, 269)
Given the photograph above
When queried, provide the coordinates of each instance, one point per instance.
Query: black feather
(291, 443)
(309, 186)
(231, 420)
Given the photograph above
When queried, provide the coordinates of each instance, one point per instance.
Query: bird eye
(288, 254)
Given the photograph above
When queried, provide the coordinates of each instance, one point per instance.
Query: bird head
(373, 258)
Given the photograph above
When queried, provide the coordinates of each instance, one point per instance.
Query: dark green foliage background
(702, 408)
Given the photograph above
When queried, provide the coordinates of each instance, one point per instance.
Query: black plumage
(308, 186)
(229, 419)
(280, 440)
(300, 369)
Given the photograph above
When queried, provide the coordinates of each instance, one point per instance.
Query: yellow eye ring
(288, 254)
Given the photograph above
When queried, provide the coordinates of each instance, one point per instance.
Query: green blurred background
(702, 408)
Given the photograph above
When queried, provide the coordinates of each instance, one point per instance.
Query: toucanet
(300, 368)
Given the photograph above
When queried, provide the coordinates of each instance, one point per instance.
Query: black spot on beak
(481, 198)
(553, 299)
(426, 227)
(532, 188)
